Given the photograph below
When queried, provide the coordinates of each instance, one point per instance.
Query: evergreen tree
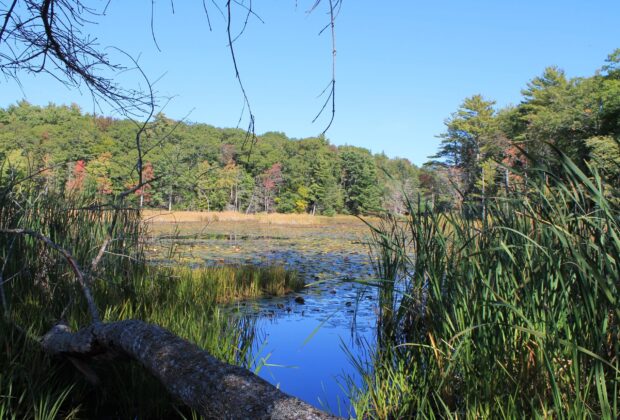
(470, 140)
(359, 180)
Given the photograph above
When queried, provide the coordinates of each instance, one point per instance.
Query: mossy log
(211, 387)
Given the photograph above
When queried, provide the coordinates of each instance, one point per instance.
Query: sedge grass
(513, 316)
(158, 216)
(39, 290)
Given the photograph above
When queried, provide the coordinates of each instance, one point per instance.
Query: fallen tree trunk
(213, 388)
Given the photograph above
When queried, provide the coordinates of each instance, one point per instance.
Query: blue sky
(402, 66)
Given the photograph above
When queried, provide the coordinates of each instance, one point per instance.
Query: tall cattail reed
(516, 315)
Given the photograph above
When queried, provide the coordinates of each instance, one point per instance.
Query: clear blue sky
(402, 67)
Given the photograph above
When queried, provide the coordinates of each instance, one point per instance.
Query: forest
(486, 281)
(491, 150)
(194, 166)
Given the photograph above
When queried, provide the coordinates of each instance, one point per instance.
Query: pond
(305, 340)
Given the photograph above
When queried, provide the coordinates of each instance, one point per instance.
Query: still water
(305, 341)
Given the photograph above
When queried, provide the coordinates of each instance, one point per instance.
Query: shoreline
(184, 216)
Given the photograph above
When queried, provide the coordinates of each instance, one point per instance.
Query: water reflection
(303, 342)
(305, 349)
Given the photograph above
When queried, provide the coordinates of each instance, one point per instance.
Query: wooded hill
(198, 166)
(485, 153)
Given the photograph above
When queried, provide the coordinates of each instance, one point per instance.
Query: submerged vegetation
(499, 285)
(513, 314)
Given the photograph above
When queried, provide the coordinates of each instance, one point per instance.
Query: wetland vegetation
(514, 313)
(185, 300)
(483, 284)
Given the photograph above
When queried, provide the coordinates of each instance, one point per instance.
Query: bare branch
(7, 17)
(331, 98)
(204, 6)
(45, 36)
(251, 129)
(153, 24)
(247, 18)
(75, 267)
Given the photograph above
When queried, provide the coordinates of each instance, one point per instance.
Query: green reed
(515, 315)
(39, 289)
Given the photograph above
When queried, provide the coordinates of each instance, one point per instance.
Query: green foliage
(195, 166)
(397, 179)
(605, 154)
(471, 138)
(38, 288)
(516, 315)
(359, 180)
(488, 153)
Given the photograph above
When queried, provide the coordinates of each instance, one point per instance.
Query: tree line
(193, 166)
(485, 152)
(488, 152)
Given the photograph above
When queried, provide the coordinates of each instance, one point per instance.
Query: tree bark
(213, 388)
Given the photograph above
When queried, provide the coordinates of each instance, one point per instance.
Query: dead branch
(251, 127)
(82, 279)
(334, 8)
(45, 36)
(213, 388)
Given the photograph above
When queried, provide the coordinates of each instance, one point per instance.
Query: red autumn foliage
(514, 158)
(76, 182)
(148, 174)
(272, 177)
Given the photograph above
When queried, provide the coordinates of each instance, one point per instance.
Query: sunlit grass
(158, 216)
(513, 316)
(40, 290)
(183, 300)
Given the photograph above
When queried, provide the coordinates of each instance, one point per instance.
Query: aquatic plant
(38, 290)
(158, 216)
(514, 315)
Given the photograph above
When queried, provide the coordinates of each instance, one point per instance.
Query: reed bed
(39, 289)
(158, 216)
(513, 316)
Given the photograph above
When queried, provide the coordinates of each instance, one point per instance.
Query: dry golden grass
(158, 216)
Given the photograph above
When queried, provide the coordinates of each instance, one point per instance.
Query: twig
(7, 17)
(79, 274)
(153, 24)
(332, 84)
(250, 131)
